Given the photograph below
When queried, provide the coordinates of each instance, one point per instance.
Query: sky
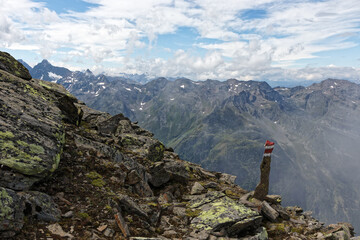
(277, 40)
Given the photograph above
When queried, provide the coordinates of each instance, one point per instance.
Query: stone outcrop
(68, 171)
(11, 65)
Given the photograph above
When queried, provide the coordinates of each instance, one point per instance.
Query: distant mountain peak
(88, 72)
(45, 62)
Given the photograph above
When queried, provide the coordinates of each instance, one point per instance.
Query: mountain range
(223, 125)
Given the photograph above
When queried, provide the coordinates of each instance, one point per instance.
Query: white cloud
(259, 48)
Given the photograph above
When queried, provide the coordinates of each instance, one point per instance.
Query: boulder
(11, 214)
(163, 172)
(260, 234)
(269, 212)
(129, 206)
(40, 206)
(11, 65)
(31, 131)
(197, 188)
(226, 213)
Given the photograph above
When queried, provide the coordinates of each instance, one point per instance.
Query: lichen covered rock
(224, 213)
(11, 213)
(31, 133)
(11, 65)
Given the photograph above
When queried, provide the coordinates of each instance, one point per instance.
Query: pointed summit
(88, 72)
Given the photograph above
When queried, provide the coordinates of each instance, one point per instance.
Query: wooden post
(262, 189)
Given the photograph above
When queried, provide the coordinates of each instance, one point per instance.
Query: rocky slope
(70, 172)
(223, 125)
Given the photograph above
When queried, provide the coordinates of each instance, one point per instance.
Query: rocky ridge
(71, 172)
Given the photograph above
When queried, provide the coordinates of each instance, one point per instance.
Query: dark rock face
(11, 65)
(31, 134)
(32, 137)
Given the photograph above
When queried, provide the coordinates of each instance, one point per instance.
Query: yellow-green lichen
(231, 194)
(6, 135)
(84, 216)
(221, 211)
(44, 84)
(192, 213)
(93, 175)
(33, 91)
(5, 201)
(152, 204)
(33, 148)
(98, 182)
(12, 156)
(56, 161)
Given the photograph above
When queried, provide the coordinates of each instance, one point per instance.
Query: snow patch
(100, 83)
(142, 103)
(140, 109)
(172, 99)
(54, 76)
(128, 89)
(331, 86)
(182, 86)
(137, 89)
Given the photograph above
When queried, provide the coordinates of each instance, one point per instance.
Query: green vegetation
(84, 216)
(97, 179)
(93, 175)
(98, 182)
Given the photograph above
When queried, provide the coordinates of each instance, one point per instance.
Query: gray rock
(197, 188)
(41, 206)
(11, 214)
(220, 213)
(200, 235)
(31, 130)
(341, 235)
(143, 189)
(269, 212)
(238, 227)
(261, 234)
(169, 233)
(130, 206)
(144, 238)
(109, 232)
(211, 185)
(68, 214)
(179, 211)
(115, 125)
(282, 212)
(132, 177)
(56, 229)
(162, 173)
(228, 178)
